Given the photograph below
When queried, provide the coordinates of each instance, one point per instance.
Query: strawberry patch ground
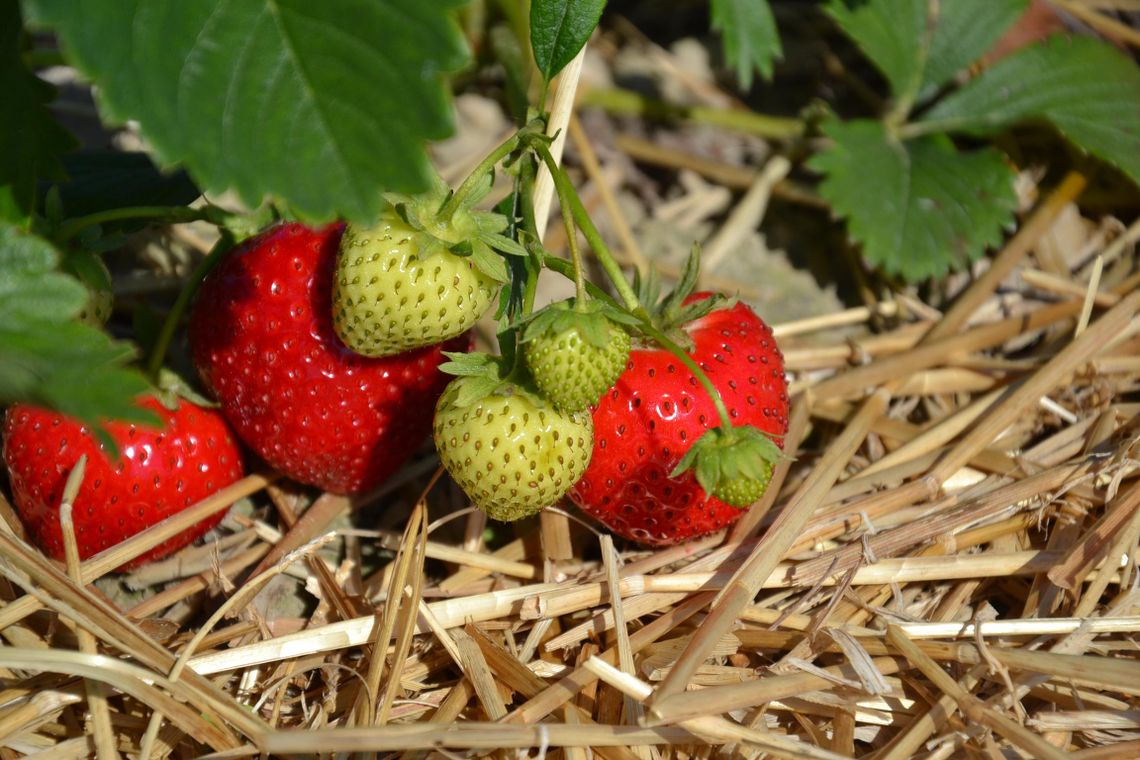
(944, 562)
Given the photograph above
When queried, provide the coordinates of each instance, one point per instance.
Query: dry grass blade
(747, 581)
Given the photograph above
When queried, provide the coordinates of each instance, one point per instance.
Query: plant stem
(167, 214)
(166, 334)
(593, 237)
(567, 196)
(661, 338)
(749, 122)
(455, 202)
(565, 204)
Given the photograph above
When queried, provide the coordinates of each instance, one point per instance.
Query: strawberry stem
(669, 345)
(568, 198)
(170, 325)
(475, 178)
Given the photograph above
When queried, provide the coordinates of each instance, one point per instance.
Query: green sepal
(721, 456)
(171, 387)
(594, 321)
(487, 261)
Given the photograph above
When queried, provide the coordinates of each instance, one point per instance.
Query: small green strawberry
(734, 466)
(414, 279)
(574, 355)
(510, 452)
(90, 270)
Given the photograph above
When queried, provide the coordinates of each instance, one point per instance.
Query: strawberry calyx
(734, 464)
(481, 375)
(681, 305)
(594, 319)
(462, 230)
(170, 388)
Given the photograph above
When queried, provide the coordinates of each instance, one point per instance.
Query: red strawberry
(159, 473)
(262, 338)
(656, 411)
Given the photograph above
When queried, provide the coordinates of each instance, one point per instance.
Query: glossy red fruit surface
(159, 473)
(657, 409)
(262, 339)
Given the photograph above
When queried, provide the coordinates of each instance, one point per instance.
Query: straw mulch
(947, 568)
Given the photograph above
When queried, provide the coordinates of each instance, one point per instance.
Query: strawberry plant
(340, 299)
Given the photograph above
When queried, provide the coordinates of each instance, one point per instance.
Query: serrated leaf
(751, 41)
(46, 359)
(30, 288)
(965, 30)
(1087, 89)
(69, 367)
(33, 141)
(893, 34)
(918, 208)
(321, 105)
(559, 29)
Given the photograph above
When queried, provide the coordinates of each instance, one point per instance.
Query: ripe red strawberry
(656, 411)
(159, 473)
(262, 338)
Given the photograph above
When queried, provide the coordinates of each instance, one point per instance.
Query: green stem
(166, 334)
(749, 122)
(567, 196)
(665, 342)
(565, 204)
(475, 178)
(167, 214)
(593, 237)
(530, 225)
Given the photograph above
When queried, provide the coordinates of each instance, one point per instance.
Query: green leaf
(559, 29)
(30, 286)
(47, 360)
(1087, 89)
(751, 41)
(32, 140)
(893, 34)
(319, 104)
(919, 208)
(966, 30)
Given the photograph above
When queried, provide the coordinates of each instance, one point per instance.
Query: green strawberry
(90, 270)
(414, 279)
(510, 453)
(734, 466)
(574, 355)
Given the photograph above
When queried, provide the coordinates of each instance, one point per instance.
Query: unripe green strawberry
(424, 273)
(574, 355)
(89, 269)
(509, 452)
(391, 296)
(742, 491)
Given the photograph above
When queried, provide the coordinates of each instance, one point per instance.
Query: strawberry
(574, 354)
(159, 473)
(262, 339)
(510, 452)
(416, 278)
(657, 411)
